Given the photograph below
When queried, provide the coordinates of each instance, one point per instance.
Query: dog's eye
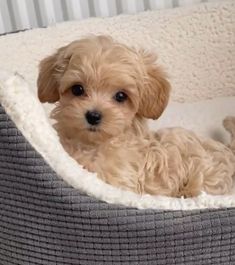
(120, 96)
(77, 90)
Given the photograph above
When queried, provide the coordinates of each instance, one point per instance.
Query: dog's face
(101, 86)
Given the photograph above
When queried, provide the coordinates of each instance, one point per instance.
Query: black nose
(93, 117)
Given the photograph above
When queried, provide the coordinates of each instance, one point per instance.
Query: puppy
(104, 92)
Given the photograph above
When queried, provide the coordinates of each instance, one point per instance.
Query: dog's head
(101, 86)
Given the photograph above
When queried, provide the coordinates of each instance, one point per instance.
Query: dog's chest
(117, 162)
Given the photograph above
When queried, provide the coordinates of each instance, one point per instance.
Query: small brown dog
(105, 90)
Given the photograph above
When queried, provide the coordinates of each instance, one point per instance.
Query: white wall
(24, 14)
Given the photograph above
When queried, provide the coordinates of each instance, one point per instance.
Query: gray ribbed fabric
(43, 221)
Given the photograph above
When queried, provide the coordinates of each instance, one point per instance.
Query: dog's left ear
(154, 94)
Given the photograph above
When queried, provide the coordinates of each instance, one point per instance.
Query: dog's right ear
(50, 71)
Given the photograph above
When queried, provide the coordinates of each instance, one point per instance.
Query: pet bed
(55, 212)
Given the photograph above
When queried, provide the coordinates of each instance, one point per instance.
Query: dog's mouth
(96, 134)
(93, 129)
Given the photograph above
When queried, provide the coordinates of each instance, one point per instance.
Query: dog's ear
(154, 94)
(50, 70)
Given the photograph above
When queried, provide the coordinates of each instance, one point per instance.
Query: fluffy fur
(121, 149)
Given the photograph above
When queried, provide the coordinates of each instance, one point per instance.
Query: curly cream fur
(123, 152)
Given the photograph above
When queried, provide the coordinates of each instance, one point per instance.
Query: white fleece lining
(27, 113)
